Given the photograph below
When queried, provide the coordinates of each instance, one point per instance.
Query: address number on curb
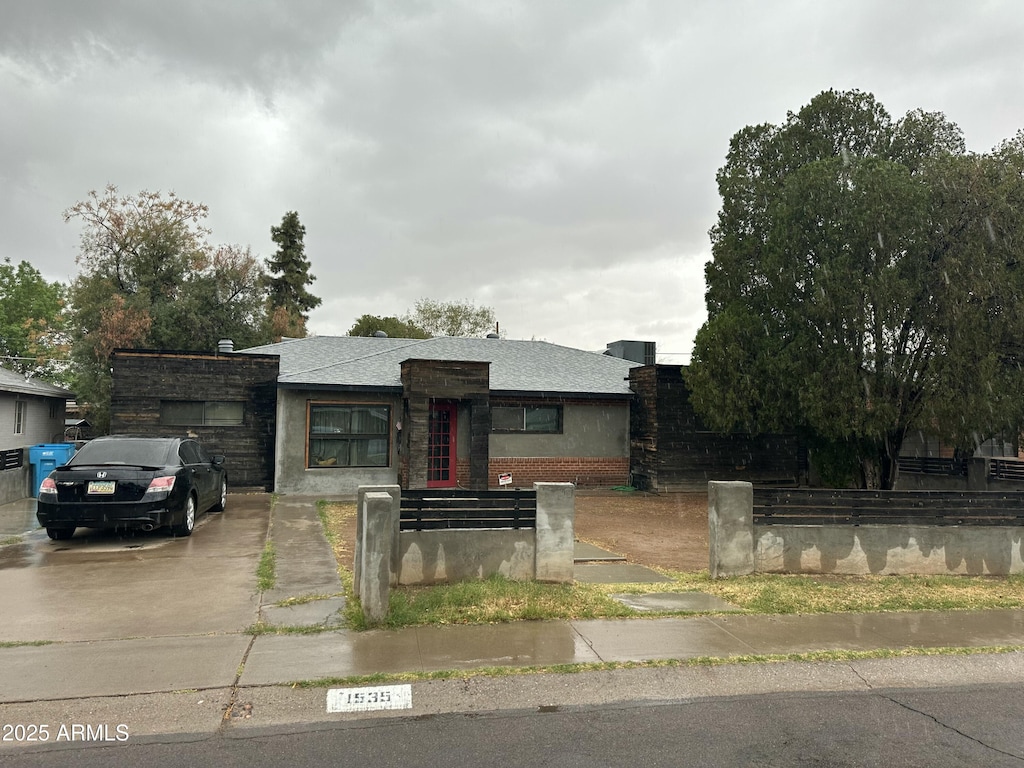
(369, 699)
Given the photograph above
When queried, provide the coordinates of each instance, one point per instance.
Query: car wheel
(223, 500)
(60, 534)
(188, 523)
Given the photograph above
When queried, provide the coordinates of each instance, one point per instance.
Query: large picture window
(527, 418)
(197, 413)
(349, 435)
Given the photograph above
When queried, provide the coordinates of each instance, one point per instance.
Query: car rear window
(155, 453)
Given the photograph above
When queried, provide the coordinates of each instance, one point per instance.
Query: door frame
(452, 409)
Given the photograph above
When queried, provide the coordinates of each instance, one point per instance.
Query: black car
(122, 481)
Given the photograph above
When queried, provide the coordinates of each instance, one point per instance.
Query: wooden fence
(852, 507)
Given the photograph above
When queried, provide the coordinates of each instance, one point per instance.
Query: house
(446, 412)
(31, 413)
(227, 401)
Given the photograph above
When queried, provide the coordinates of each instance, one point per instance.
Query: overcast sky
(552, 159)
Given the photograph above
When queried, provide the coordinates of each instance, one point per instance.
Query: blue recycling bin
(45, 458)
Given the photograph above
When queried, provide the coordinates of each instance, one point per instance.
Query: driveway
(100, 585)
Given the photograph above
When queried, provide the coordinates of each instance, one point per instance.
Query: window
(192, 413)
(349, 435)
(19, 417)
(527, 418)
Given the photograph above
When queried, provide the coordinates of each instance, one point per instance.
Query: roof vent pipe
(225, 346)
(380, 335)
(493, 335)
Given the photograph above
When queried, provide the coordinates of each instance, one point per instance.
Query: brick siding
(584, 471)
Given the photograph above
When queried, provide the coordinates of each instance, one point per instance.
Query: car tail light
(160, 485)
(48, 487)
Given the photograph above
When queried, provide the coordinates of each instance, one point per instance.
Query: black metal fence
(13, 459)
(799, 506)
(444, 508)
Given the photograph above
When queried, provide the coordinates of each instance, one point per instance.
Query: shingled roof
(11, 381)
(358, 362)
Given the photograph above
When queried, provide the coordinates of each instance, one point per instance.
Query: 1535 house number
(369, 699)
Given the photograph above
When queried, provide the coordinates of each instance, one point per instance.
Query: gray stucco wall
(544, 553)
(888, 549)
(16, 484)
(599, 430)
(738, 546)
(436, 557)
(293, 476)
(38, 426)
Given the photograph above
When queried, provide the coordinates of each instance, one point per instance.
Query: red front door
(441, 446)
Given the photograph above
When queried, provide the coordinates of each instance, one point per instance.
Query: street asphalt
(153, 634)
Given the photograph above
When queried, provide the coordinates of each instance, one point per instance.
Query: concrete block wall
(738, 546)
(16, 484)
(544, 553)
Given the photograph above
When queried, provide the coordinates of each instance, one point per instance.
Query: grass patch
(303, 600)
(23, 643)
(338, 519)
(7, 541)
(266, 571)
(786, 594)
(262, 628)
(701, 661)
(491, 601)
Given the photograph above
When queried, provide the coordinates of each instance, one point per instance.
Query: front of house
(446, 412)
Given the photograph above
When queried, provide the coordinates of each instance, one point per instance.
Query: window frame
(19, 417)
(525, 429)
(349, 437)
(203, 422)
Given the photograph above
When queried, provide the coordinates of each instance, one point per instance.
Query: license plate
(101, 487)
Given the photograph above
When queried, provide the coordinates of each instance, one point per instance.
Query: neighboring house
(31, 413)
(446, 412)
(227, 401)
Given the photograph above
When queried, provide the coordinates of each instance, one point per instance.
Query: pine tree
(289, 276)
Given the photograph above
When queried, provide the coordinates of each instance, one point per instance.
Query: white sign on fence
(369, 699)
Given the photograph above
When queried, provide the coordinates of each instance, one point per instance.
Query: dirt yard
(668, 530)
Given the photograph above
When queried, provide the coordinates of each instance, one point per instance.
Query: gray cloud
(553, 160)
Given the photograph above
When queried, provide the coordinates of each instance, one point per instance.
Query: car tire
(222, 500)
(60, 534)
(188, 522)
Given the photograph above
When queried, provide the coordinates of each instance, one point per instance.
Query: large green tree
(866, 281)
(31, 321)
(452, 318)
(148, 278)
(369, 325)
(289, 300)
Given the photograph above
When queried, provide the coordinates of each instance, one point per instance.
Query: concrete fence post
(977, 473)
(375, 555)
(730, 528)
(396, 506)
(556, 513)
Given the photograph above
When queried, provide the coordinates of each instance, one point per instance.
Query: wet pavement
(171, 617)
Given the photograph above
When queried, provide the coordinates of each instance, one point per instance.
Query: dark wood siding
(444, 380)
(142, 379)
(671, 448)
